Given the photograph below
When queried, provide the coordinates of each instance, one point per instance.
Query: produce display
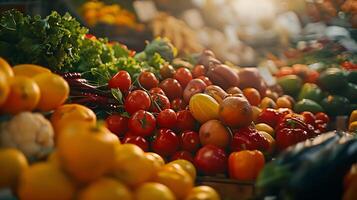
(88, 118)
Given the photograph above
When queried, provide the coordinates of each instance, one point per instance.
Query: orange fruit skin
(29, 70)
(187, 166)
(12, 163)
(236, 112)
(245, 165)
(252, 95)
(6, 68)
(153, 191)
(203, 192)
(283, 102)
(214, 132)
(267, 103)
(4, 87)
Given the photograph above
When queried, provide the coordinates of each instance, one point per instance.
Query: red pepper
(248, 138)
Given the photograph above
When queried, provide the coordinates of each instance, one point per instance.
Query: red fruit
(211, 160)
(167, 119)
(190, 141)
(185, 121)
(148, 80)
(178, 104)
(183, 75)
(159, 101)
(120, 80)
(166, 143)
(269, 116)
(323, 117)
(137, 100)
(137, 140)
(117, 124)
(157, 90)
(198, 70)
(183, 155)
(205, 79)
(172, 88)
(309, 118)
(287, 137)
(142, 123)
(248, 138)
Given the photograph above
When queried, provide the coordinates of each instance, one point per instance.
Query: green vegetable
(333, 80)
(291, 84)
(352, 76)
(161, 46)
(310, 91)
(307, 105)
(335, 105)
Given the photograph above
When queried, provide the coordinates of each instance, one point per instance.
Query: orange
(4, 88)
(43, 181)
(54, 158)
(54, 91)
(203, 193)
(6, 68)
(153, 191)
(29, 70)
(256, 112)
(353, 116)
(105, 188)
(156, 159)
(131, 166)
(252, 95)
(86, 151)
(235, 112)
(176, 179)
(267, 103)
(12, 164)
(283, 102)
(24, 95)
(187, 166)
(69, 113)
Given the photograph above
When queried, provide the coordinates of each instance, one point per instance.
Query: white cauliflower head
(29, 132)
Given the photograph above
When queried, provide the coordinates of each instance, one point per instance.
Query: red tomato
(312, 76)
(117, 124)
(172, 88)
(198, 70)
(183, 75)
(245, 165)
(120, 80)
(270, 116)
(190, 141)
(322, 116)
(166, 143)
(167, 119)
(211, 160)
(137, 100)
(178, 104)
(309, 118)
(157, 90)
(137, 140)
(183, 155)
(159, 100)
(185, 120)
(142, 123)
(148, 80)
(205, 79)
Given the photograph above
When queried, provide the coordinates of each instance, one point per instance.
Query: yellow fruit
(24, 95)
(187, 166)
(270, 139)
(131, 166)
(54, 91)
(4, 87)
(203, 107)
(353, 116)
(266, 128)
(12, 164)
(29, 70)
(352, 127)
(86, 152)
(283, 102)
(6, 68)
(43, 181)
(267, 103)
(105, 189)
(153, 191)
(256, 112)
(156, 159)
(54, 158)
(203, 193)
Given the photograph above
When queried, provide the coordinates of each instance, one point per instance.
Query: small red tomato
(137, 100)
(183, 75)
(137, 140)
(148, 80)
(185, 155)
(321, 126)
(166, 143)
(211, 160)
(185, 120)
(157, 90)
(198, 70)
(205, 79)
(142, 123)
(190, 141)
(269, 116)
(117, 124)
(172, 88)
(167, 119)
(322, 116)
(312, 76)
(309, 118)
(178, 104)
(120, 80)
(159, 101)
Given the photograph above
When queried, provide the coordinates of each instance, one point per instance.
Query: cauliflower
(29, 132)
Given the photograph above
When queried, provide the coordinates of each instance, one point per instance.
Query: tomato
(205, 79)
(167, 119)
(137, 140)
(178, 104)
(312, 76)
(185, 120)
(148, 80)
(245, 165)
(166, 143)
(157, 90)
(190, 141)
(137, 100)
(211, 160)
(183, 75)
(248, 138)
(120, 80)
(172, 88)
(142, 123)
(183, 155)
(309, 118)
(117, 124)
(198, 70)
(322, 116)
(270, 116)
(159, 100)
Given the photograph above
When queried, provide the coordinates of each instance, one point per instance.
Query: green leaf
(117, 94)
